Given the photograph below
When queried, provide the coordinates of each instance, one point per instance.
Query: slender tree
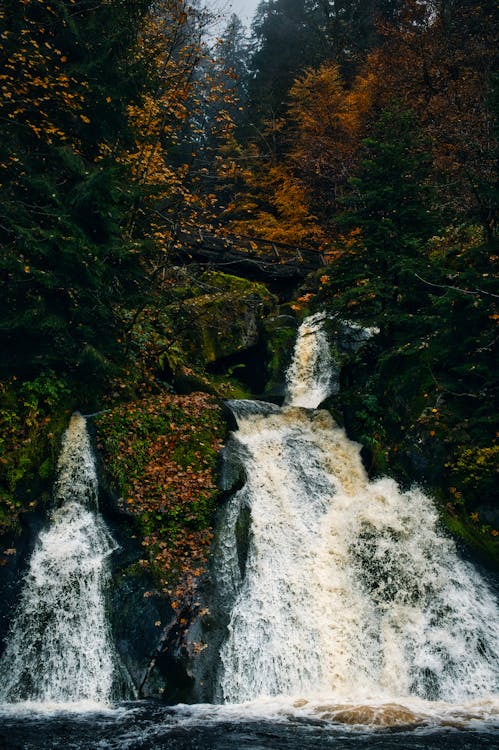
(284, 44)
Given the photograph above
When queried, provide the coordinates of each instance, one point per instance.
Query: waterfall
(312, 371)
(59, 648)
(349, 588)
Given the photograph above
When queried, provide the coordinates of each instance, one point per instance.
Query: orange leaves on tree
(441, 67)
(36, 91)
(279, 211)
(327, 121)
(171, 120)
(288, 199)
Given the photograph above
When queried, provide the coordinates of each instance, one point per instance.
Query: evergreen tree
(67, 266)
(388, 221)
(351, 28)
(391, 196)
(440, 60)
(233, 56)
(284, 44)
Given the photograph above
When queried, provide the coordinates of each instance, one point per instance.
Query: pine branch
(474, 293)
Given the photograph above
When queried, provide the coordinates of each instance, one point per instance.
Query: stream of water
(59, 650)
(350, 589)
(352, 621)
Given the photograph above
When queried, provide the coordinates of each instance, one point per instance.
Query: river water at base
(275, 724)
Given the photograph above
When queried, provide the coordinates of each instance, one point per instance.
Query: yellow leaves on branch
(171, 119)
(327, 119)
(171, 50)
(282, 214)
(35, 87)
(322, 131)
(316, 99)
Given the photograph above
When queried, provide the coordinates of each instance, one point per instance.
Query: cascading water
(59, 648)
(312, 372)
(348, 589)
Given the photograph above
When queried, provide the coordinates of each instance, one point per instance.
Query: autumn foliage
(161, 453)
(178, 123)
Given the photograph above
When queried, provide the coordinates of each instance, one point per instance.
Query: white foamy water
(411, 714)
(352, 601)
(59, 648)
(312, 371)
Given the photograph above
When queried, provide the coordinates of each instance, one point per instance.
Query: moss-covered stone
(33, 415)
(280, 335)
(161, 454)
(159, 457)
(225, 317)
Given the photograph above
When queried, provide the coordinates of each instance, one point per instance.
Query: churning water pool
(146, 725)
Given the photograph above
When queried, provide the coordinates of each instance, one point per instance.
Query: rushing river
(269, 725)
(352, 622)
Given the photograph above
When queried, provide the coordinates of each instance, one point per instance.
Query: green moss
(475, 534)
(225, 319)
(280, 336)
(227, 283)
(33, 415)
(161, 454)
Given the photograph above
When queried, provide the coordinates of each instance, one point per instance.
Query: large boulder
(225, 318)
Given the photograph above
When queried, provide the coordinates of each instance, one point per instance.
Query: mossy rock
(226, 318)
(280, 336)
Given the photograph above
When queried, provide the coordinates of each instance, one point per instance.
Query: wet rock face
(146, 629)
(133, 610)
(158, 471)
(279, 336)
(137, 613)
(16, 551)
